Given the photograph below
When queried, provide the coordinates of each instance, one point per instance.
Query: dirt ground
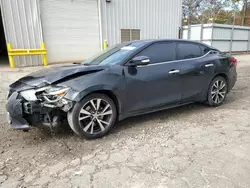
(192, 146)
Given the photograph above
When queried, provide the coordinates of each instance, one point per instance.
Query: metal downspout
(100, 24)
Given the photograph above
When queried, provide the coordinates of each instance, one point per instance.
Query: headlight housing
(50, 93)
(55, 93)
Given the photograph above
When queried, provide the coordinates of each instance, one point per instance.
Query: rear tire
(217, 91)
(93, 116)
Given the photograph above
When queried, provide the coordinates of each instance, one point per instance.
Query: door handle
(209, 65)
(174, 71)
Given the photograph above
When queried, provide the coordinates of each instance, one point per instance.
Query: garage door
(70, 29)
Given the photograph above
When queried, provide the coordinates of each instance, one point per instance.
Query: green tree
(207, 11)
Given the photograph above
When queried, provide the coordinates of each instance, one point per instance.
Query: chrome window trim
(175, 61)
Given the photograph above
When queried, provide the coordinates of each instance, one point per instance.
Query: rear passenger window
(204, 49)
(159, 52)
(188, 50)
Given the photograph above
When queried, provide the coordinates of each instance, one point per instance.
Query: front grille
(27, 108)
(32, 107)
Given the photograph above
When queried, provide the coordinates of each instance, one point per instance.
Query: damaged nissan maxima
(129, 79)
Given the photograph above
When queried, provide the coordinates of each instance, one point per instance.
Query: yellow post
(45, 61)
(11, 58)
(105, 44)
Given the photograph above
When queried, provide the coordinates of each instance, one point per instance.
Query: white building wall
(185, 34)
(156, 19)
(75, 29)
(70, 29)
(207, 33)
(223, 46)
(22, 26)
(226, 38)
(195, 33)
(240, 34)
(222, 33)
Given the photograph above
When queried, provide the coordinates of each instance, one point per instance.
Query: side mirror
(139, 61)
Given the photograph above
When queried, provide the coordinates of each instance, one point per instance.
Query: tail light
(234, 61)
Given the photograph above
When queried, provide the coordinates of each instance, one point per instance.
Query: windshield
(115, 55)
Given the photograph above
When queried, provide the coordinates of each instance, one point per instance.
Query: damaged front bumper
(22, 114)
(15, 113)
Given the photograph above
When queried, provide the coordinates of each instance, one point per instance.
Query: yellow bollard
(45, 61)
(11, 58)
(105, 45)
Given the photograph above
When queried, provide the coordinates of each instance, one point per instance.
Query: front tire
(93, 117)
(217, 91)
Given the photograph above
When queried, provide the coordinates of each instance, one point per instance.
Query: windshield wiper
(87, 64)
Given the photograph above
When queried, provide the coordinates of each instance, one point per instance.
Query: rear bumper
(232, 79)
(15, 113)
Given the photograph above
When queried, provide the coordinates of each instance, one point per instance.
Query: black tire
(78, 125)
(217, 96)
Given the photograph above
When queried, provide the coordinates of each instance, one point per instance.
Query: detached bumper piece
(15, 113)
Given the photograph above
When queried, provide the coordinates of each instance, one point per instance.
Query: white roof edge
(219, 25)
(230, 26)
(198, 25)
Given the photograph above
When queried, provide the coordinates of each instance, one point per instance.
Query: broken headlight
(55, 93)
(51, 94)
(29, 95)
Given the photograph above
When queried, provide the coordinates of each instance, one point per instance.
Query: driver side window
(159, 52)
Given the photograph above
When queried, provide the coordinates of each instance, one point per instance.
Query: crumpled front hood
(54, 75)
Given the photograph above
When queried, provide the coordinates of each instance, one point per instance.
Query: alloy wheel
(95, 116)
(218, 92)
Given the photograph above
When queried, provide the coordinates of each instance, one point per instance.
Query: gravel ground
(191, 146)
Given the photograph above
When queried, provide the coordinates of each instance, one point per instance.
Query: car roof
(173, 40)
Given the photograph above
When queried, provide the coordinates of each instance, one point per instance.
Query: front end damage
(43, 106)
